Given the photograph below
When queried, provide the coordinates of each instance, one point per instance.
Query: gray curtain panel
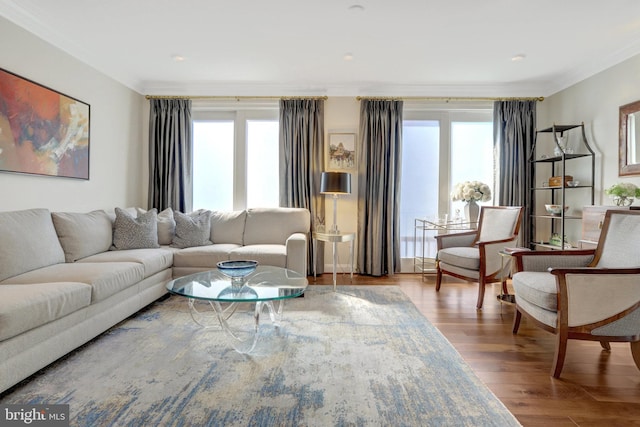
(302, 162)
(514, 128)
(170, 155)
(379, 149)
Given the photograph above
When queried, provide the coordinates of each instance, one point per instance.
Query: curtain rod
(447, 98)
(237, 98)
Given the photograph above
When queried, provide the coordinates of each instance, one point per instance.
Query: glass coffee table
(263, 287)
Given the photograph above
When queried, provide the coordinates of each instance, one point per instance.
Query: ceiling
(298, 47)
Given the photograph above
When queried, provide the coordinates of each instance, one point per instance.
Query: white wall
(594, 101)
(342, 115)
(116, 138)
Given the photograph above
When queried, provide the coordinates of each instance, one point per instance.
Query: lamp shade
(335, 182)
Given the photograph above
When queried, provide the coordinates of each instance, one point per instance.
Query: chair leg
(561, 352)
(635, 352)
(438, 279)
(516, 321)
(480, 294)
(606, 345)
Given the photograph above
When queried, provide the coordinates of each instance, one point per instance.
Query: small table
(505, 256)
(262, 287)
(334, 239)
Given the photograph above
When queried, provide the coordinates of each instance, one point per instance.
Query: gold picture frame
(341, 151)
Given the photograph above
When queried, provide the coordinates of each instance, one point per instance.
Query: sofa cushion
(192, 229)
(275, 255)
(83, 234)
(203, 256)
(105, 278)
(24, 307)
(28, 241)
(537, 288)
(228, 227)
(153, 260)
(275, 225)
(139, 232)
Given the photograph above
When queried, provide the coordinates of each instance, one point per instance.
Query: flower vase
(471, 213)
(623, 201)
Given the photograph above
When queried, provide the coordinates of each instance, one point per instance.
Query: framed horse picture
(341, 152)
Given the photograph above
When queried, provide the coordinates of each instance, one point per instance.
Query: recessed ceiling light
(518, 57)
(178, 58)
(348, 56)
(356, 8)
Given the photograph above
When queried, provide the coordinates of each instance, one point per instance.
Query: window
(235, 159)
(440, 149)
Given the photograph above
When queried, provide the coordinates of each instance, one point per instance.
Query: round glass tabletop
(266, 283)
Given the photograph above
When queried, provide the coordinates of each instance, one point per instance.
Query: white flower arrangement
(623, 189)
(471, 191)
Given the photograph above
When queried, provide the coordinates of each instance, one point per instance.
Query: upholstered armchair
(585, 294)
(474, 256)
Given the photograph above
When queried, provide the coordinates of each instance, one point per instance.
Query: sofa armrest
(297, 253)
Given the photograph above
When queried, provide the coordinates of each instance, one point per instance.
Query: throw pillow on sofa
(135, 233)
(166, 225)
(192, 229)
(83, 234)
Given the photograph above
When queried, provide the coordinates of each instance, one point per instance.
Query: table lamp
(335, 183)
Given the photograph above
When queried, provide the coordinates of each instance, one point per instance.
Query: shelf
(559, 165)
(550, 246)
(557, 216)
(558, 128)
(559, 158)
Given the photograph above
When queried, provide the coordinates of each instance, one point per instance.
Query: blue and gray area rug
(362, 356)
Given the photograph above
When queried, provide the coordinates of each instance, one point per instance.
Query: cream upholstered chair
(474, 256)
(585, 294)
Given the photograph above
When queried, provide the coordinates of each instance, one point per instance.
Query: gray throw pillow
(192, 229)
(135, 233)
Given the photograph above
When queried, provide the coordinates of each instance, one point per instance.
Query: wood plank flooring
(597, 388)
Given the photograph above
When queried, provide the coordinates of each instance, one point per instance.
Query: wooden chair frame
(562, 330)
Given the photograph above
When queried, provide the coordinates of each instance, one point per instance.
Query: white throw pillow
(166, 225)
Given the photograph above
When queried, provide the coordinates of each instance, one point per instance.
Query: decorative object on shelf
(335, 183)
(623, 193)
(471, 192)
(574, 183)
(555, 240)
(562, 146)
(556, 181)
(555, 209)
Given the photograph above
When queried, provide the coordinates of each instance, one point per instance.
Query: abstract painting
(42, 131)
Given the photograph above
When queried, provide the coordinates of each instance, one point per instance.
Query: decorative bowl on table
(555, 209)
(237, 270)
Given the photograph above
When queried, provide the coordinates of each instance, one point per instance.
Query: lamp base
(334, 229)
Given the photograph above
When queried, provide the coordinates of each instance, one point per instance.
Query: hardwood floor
(596, 388)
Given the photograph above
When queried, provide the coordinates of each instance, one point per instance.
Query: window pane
(471, 156)
(419, 178)
(213, 165)
(262, 163)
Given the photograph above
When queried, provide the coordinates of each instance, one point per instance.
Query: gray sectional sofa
(67, 277)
